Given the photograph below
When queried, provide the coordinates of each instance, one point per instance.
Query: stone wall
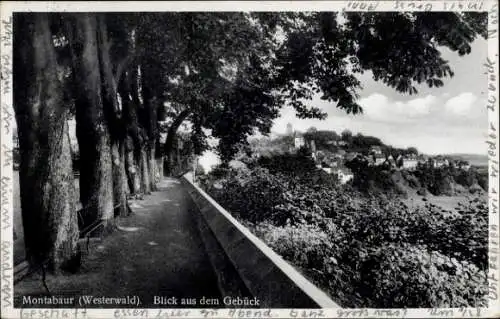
(254, 270)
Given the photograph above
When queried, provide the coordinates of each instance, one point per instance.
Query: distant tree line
(425, 178)
(359, 143)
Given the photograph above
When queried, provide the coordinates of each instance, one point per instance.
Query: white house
(341, 143)
(299, 141)
(410, 162)
(377, 150)
(440, 162)
(344, 175)
(379, 159)
(331, 142)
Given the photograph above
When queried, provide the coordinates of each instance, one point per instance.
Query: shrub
(306, 245)
(366, 251)
(466, 178)
(388, 275)
(476, 189)
(482, 178)
(252, 195)
(317, 254)
(287, 163)
(413, 181)
(404, 275)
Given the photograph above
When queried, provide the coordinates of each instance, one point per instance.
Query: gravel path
(156, 251)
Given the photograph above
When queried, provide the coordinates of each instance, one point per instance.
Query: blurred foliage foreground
(364, 250)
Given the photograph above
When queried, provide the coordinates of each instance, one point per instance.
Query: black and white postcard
(260, 159)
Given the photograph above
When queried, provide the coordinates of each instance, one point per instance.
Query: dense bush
(379, 180)
(445, 180)
(464, 236)
(482, 177)
(405, 275)
(318, 254)
(387, 275)
(448, 180)
(365, 250)
(412, 180)
(307, 245)
(298, 165)
(253, 195)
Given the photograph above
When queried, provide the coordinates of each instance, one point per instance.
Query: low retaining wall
(264, 274)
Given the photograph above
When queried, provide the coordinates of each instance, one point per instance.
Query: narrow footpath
(156, 251)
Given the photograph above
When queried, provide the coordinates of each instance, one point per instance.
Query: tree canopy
(232, 72)
(323, 52)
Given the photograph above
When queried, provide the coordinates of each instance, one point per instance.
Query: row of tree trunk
(116, 130)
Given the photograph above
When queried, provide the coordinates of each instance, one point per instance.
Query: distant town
(337, 151)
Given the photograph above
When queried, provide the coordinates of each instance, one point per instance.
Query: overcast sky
(449, 119)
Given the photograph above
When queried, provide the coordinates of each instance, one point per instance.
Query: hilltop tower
(289, 129)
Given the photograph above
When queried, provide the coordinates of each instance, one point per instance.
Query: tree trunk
(152, 168)
(159, 159)
(96, 178)
(46, 175)
(117, 126)
(119, 179)
(159, 168)
(152, 137)
(172, 131)
(143, 164)
(136, 155)
(148, 112)
(131, 168)
(152, 88)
